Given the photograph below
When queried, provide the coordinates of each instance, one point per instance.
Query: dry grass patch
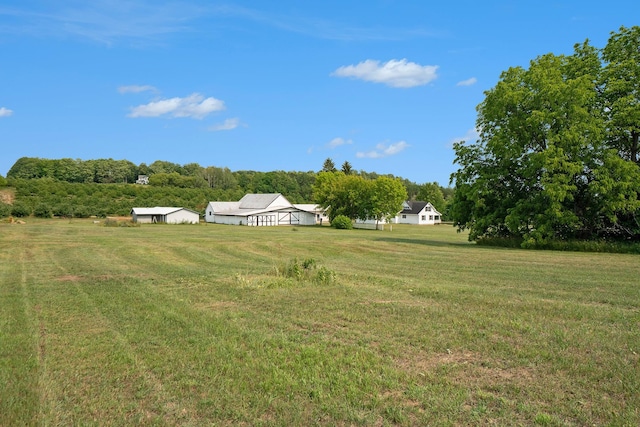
(69, 278)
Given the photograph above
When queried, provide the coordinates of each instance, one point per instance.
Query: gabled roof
(158, 210)
(261, 201)
(413, 207)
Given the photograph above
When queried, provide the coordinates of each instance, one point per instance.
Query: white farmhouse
(420, 213)
(258, 210)
(166, 215)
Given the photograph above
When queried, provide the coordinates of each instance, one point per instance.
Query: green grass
(223, 325)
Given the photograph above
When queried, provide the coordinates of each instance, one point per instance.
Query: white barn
(419, 213)
(165, 214)
(258, 210)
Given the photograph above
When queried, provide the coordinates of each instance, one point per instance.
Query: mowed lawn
(192, 325)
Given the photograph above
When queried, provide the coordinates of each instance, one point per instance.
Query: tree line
(72, 187)
(558, 154)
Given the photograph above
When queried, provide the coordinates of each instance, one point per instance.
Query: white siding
(183, 217)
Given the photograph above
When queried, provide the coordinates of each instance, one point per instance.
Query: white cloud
(228, 124)
(394, 73)
(137, 89)
(383, 150)
(195, 106)
(5, 112)
(336, 142)
(468, 82)
(471, 135)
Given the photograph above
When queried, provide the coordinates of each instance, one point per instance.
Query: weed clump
(110, 222)
(290, 274)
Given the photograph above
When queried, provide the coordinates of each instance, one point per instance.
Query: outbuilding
(258, 210)
(166, 215)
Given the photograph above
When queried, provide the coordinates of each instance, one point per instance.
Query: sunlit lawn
(192, 325)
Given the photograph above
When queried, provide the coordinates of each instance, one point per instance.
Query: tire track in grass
(161, 396)
(46, 393)
(19, 359)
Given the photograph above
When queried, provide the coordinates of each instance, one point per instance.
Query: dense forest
(82, 188)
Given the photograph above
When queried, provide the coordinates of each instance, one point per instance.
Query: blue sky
(270, 85)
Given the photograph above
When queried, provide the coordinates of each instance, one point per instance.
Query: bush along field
(227, 325)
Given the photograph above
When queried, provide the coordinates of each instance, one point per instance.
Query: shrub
(63, 210)
(42, 211)
(342, 222)
(5, 210)
(20, 210)
(81, 212)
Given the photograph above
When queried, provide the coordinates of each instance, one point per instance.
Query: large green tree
(544, 166)
(621, 92)
(359, 198)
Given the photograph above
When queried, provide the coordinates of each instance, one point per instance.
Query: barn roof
(308, 207)
(224, 206)
(158, 210)
(260, 201)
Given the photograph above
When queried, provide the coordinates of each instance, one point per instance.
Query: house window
(428, 209)
(430, 217)
(424, 217)
(404, 217)
(437, 217)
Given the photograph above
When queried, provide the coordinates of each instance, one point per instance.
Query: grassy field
(223, 325)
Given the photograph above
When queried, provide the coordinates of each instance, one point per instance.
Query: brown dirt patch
(69, 278)
(7, 196)
(470, 368)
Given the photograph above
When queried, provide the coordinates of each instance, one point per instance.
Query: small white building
(165, 215)
(419, 213)
(318, 211)
(258, 210)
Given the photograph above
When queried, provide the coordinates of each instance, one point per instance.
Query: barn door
(291, 218)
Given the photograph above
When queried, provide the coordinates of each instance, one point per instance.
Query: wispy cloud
(394, 73)
(5, 112)
(322, 28)
(137, 89)
(150, 21)
(195, 106)
(228, 124)
(471, 135)
(383, 150)
(104, 21)
(468, 82)
(337, 142)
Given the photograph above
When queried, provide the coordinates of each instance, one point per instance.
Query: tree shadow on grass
(440, 243)
(427, 242)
